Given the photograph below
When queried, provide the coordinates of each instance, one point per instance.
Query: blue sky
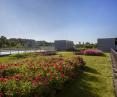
(76, 20)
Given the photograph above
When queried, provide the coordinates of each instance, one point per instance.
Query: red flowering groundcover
(35, 78)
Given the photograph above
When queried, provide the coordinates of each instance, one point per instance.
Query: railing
(7, 51)
(114, 55)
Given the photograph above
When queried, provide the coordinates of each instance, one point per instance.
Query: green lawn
(95, 81)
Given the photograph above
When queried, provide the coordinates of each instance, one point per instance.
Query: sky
(50, 20)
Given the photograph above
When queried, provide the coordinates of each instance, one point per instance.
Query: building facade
(63, 45)
(105, 44)
(40, 42)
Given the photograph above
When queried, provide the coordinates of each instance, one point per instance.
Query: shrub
(35, 77)
(79, 53)
(49, 53)
(93, 52)
(24, 55)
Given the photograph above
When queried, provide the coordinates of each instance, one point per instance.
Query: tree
(13, 43)
(3, 40)
(88, 46)
(96, 45)
(40, 45)
(21, 41)
(18, 46)
(4, 46)
(1, 43)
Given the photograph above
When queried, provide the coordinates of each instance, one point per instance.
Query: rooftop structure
(63, 45)
(105, 44)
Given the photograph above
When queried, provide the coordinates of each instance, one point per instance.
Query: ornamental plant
(37, 78)
(93, 52)
(79, 53)
(49, 53)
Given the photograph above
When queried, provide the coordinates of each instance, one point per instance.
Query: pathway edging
(114, 72)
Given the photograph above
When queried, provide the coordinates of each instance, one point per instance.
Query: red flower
(33, 81)
(36, 88)
(37, 79)
(21, 77)
(19, 92)
(40, 75)
(46, 79)
(45, 85)
(51, 77)
(17, 76)
(0, 94)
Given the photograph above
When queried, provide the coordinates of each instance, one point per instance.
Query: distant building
(63, 45)
(105, 44)
(83, 43)
(29, 44)
(40, 42)
(79, 43)
(87, 42)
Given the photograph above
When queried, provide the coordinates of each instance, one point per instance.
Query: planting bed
(35, 77)
(90, 52)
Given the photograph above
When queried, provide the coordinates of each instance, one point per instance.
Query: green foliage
(32, 77)
(25, 55)
(4, 40)
(13, 43)
(40, 45)
(19, 46)
(79, 46)
(4, 46)
(1, 43)
(88, 46)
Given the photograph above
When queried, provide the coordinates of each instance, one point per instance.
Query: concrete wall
(63, 45)
(106, 44)
(69, 44)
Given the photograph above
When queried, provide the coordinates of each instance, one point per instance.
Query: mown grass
(95, 81)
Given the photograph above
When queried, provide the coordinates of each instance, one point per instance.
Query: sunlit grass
(95, 81)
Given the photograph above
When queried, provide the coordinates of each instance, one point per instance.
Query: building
(63, 45)
(29, 44)
(40, 42)
(105, 44)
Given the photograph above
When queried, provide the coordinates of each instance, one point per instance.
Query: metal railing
(114, 55)
(7, 51)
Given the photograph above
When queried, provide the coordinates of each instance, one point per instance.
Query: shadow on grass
(91, 70)
(81, 87)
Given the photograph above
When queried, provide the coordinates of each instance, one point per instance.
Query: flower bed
(79, 53)
(49, 53)
(93, 52)
(35, 78)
